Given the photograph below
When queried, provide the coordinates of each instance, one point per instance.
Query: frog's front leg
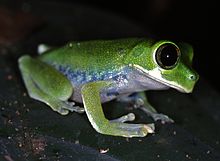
(46, 84)
(92, 104)
(139, 100)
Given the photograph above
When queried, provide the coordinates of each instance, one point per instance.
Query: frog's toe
(62, 111)
(139, 102)
(64, 107)
(71, 107)
(125, 118)
(163, 118)
(150, 128)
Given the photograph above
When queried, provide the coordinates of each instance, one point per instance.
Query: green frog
(98, 71)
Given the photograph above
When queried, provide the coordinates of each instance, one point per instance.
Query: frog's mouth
(156, 75)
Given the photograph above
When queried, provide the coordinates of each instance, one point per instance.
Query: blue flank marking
(114, 93)
(81, 77)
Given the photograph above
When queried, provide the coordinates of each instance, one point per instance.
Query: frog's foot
(145, 106)
(157, 116)
(71, 107)
(125, 118)
(161, 117)
(132, 130)
(63, 107)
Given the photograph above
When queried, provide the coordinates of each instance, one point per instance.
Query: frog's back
(91, 55)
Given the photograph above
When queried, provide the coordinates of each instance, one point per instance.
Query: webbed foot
(157, 116)
(161, 117)
(132, 130)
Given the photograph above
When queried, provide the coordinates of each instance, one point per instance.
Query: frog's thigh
(93, 108)
(46, 84)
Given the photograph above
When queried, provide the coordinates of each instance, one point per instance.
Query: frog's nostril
(192, 77)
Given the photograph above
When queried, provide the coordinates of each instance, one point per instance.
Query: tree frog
(98, 71)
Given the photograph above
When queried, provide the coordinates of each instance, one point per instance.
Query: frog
(93, 72)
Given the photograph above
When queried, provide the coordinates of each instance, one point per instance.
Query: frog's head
(167, 63)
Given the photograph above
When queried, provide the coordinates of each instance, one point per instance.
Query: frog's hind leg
(92, 104)
(139, 100)
(46, 84)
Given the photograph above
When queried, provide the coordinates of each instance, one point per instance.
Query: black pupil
(168, 55)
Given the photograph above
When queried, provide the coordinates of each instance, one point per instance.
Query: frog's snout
(192, 78)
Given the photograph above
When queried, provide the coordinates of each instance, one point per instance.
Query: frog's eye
(167, 56)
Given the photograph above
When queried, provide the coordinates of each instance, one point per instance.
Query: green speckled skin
(101, 70)
(93, 55)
